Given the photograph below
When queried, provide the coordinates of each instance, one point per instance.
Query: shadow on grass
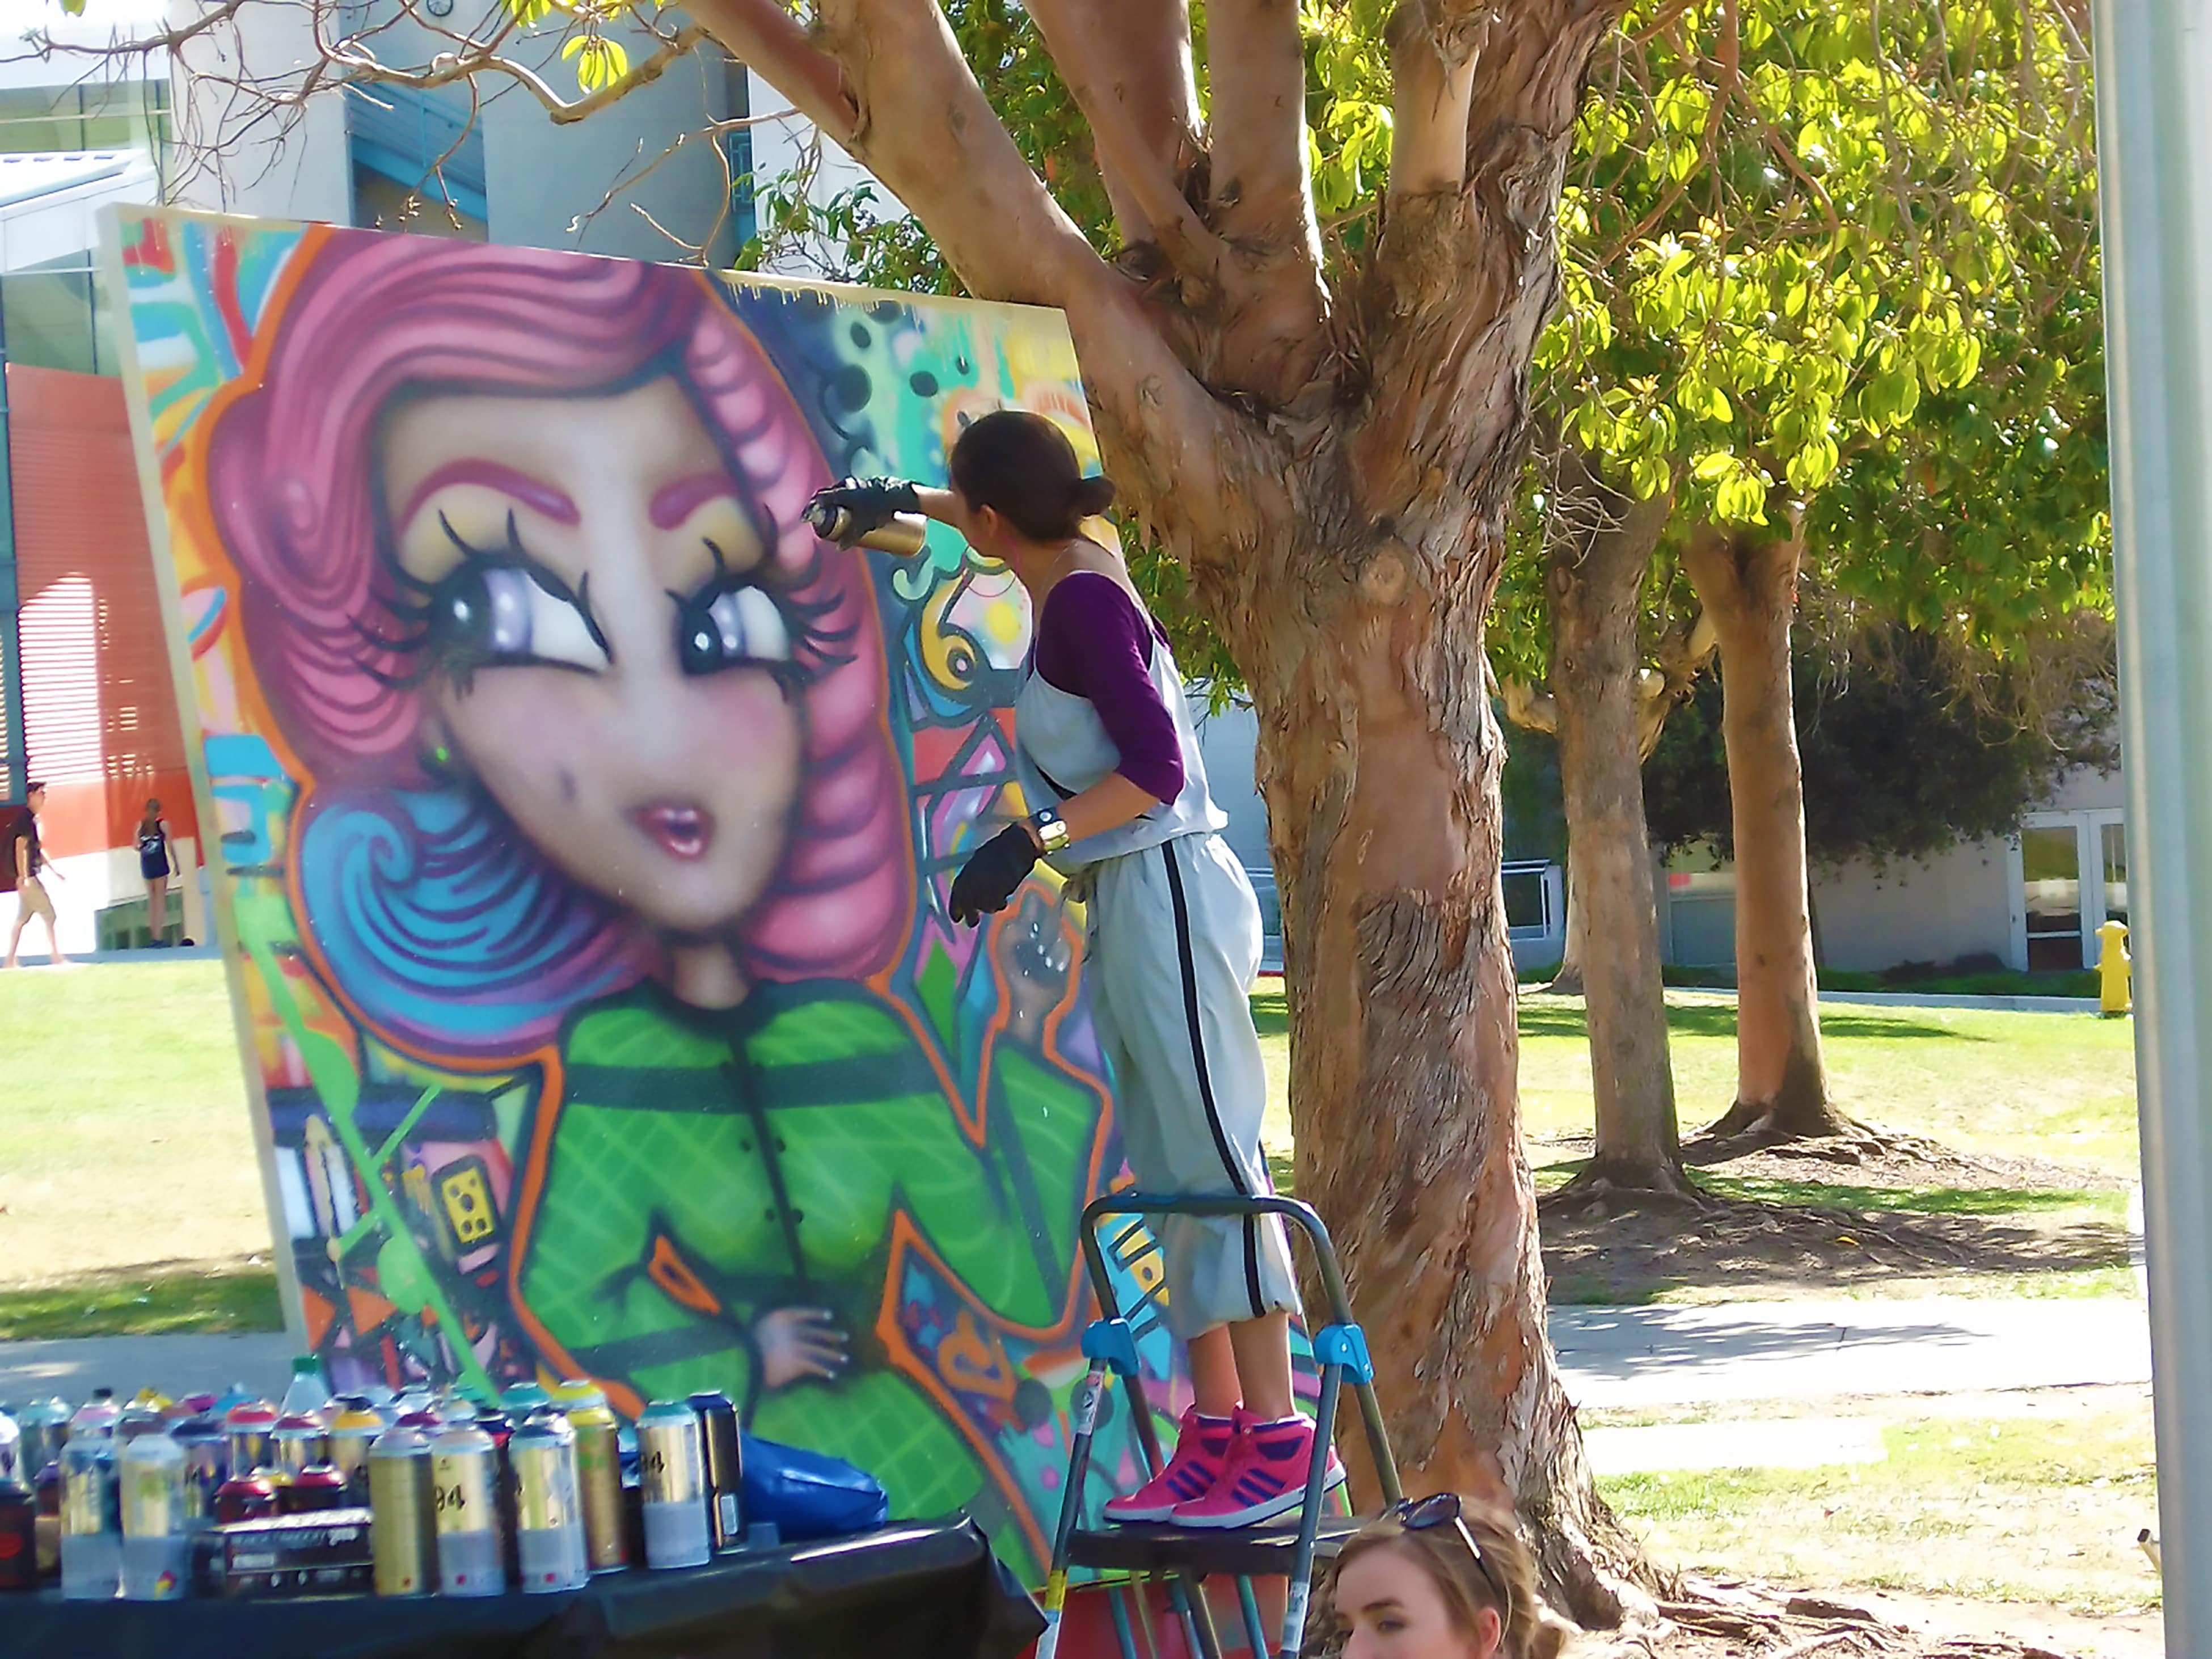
(163, 1298)
(1565, 1019)
(1271, 1013)
(1909, 1200)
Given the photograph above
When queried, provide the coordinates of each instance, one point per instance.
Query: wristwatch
(1051, 830)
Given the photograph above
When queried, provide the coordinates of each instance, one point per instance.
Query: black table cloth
(914, 1591)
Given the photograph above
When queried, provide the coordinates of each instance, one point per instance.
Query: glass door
(2051, 878)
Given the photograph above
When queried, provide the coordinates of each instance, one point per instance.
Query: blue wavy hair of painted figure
(1440, 1578)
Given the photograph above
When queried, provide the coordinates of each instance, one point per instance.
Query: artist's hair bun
(1092, 494)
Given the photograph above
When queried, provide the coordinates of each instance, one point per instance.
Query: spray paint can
(353, 1431)
(248, 1496)
(248, 1425)
(11, 1450)
(524, 1398)
(43, 1426)
(92, 1520)
(315, 1488)
(672, 1478)
(207, 1466)
(501, 1427)
(403, 1519)
(549, 1524)
(151, 1470)
(904, 535)
(297, 1441)
(599, 1473)
(465, 1486)
(19, 1537)
(138, 1419)
(718, 1444)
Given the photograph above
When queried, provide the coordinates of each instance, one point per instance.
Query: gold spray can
(599, 1474)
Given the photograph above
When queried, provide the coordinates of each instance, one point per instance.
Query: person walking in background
(156, 865)
(28, 864)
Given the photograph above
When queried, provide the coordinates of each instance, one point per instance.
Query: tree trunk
(1596, 555)
(1749, 585)
(1404, 1058)
(1568, 982)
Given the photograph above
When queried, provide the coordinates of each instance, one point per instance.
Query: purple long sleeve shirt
(1093, 642)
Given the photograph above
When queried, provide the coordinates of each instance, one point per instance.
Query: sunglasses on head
(1439, 1509)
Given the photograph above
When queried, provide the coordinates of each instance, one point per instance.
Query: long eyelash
(412, 612)
(813, 652)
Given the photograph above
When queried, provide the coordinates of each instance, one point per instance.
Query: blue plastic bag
(808, 1495)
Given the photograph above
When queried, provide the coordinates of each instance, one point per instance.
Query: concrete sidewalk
(1626, 1358)
(1611, 1358)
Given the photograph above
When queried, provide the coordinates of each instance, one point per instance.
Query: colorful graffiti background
(587, 827)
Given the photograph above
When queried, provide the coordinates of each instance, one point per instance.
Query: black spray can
(718, 1435)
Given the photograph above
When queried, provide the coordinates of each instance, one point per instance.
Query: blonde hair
(1530, 1629)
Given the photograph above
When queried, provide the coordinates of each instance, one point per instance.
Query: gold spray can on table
(402, 1522)
(599, 1473)
(548, 1509)
(464, 1482)
(671, 1479)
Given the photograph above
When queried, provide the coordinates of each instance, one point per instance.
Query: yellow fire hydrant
(2115, 969)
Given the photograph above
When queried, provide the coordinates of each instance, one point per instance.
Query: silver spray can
(549, 1511)
(464, 1486)
(92, 1520)
(43, 1424)
(207, 1466)
(671, 1479)
(151, 1470)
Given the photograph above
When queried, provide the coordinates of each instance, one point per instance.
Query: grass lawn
(126, 1139)
(2057, 1086)
(128, 1146)
(2026, 1499)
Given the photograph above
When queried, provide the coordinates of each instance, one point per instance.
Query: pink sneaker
(1264, 1476)
(1202, 1447)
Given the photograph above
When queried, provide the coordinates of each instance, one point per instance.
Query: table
(910, 1591)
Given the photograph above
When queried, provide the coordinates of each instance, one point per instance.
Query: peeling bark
(1596, 555)
(1747, 584)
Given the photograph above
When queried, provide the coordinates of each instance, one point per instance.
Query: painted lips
(683, 832)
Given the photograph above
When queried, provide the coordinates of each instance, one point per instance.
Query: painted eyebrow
(677, 501)
(535, 494)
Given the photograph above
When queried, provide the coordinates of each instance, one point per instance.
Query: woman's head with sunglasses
(1439, 1578)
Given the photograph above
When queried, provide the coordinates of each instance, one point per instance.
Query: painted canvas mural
(587, 826)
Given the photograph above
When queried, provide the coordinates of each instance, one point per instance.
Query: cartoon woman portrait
(599, 791)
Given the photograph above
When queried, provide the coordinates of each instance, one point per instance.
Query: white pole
(2154, 82)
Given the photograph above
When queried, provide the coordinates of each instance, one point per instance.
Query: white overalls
(1172, 950)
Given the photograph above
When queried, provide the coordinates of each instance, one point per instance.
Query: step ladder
(1186, 1557)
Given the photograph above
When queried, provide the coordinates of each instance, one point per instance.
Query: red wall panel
(99, 711)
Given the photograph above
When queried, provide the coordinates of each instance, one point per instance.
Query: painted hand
(986, 881)
(868, 503)
(798, 1343)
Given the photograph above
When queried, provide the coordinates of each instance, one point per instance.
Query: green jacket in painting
(706, 1170)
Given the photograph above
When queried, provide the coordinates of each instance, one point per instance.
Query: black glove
(986, 882)
(867, 504)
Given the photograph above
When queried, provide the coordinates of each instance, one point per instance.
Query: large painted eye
(500, 614)
(732, 628)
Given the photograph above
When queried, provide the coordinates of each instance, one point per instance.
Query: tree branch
(1432, 78)
(1262, 187)
(764, 37)
(926, 131)
(1129, 70)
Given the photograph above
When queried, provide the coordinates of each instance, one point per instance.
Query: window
(2072, 877)
(418, 163)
